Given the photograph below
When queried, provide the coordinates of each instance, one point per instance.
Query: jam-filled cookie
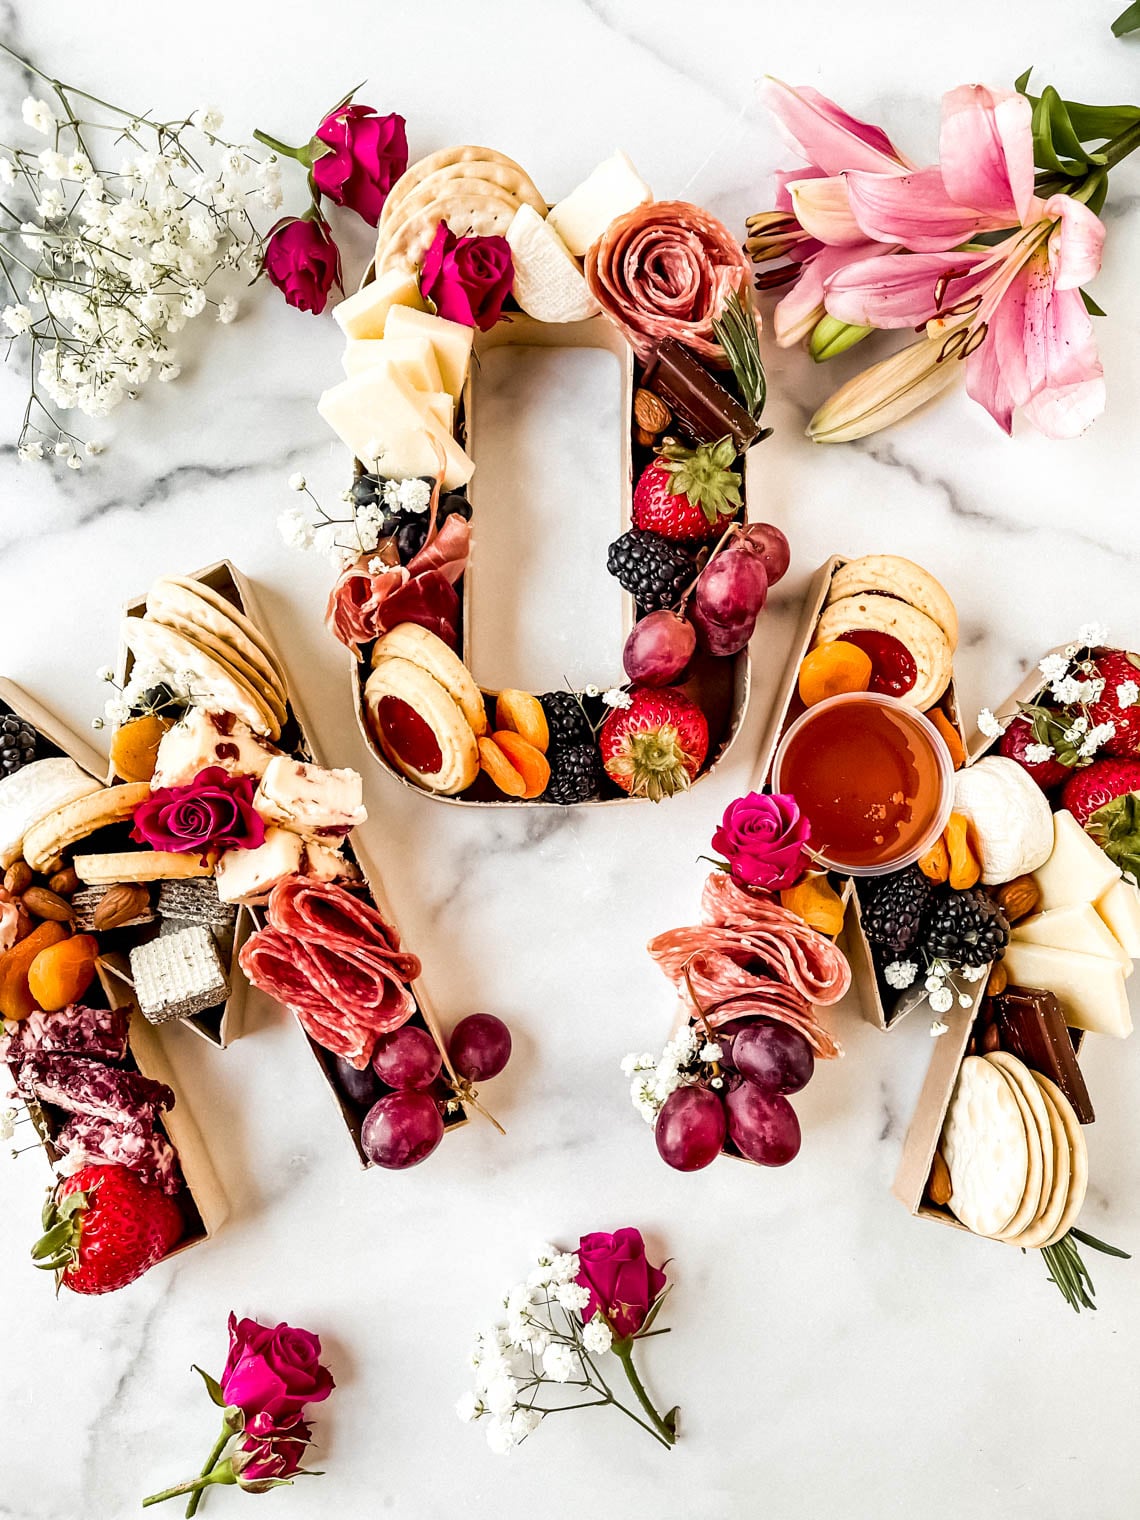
(420, 726)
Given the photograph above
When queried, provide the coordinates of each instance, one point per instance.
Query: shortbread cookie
(140, 865)
(928, 645)
(985, 1148)
(892, 575)
(45, 843)
(211, 681)
(434, 745)
(408, 641)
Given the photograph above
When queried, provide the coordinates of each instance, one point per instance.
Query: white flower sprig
(368, 519)
(688, 1058)
(102, 265)
(537, 1358)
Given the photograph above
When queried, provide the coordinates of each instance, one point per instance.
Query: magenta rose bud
(368, 155)
(278, 1455)
(302, 260)
(468, 278)
(271, 1373)
(213, 812)
(764, 840)
(620, 1280)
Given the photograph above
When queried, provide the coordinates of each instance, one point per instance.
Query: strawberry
(657, 745)
(1099, 784)
(1116, 669)
(103, 1227)
(1016, 740)
(688, 494)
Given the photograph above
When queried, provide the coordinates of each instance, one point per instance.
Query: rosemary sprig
(1067, 1268)
(735, 329)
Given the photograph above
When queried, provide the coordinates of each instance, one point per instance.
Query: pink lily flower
(813, 225)
(1013, 310)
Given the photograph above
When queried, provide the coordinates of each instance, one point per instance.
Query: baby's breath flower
(227, 310)
(1037, 754)
(597, 1336)
(1127, 694)
(988, 725)
(617, 697)
(900, 974)
(1092, 634)
(37, 114)
(207, 119)
(297, 482)
(1054, 667)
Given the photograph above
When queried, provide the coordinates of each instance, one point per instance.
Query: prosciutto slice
(334, 960)
(665, 270)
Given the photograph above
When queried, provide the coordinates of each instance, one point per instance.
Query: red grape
(407, 1057)
(763, 1126)
(658, 648)
(773, 547)
(690, 1128)
(480, 1046)
(774, 1056)
(730, 593)
(359, 1086)
(723, 639)
(401, 1129)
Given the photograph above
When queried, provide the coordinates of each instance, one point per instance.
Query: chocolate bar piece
(178, 975)
(1033, 1028)
(699, 403)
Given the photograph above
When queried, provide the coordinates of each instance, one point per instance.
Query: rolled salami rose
(665, 270)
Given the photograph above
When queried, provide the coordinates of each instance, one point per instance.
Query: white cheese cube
(451, 340)
(1076, 927)
(1119, 907)
(442, 408)
(205, 739)
(248, 876)
(549, 284)
(364, 314)
(413, 353)
(1078, 870)
(386, 425)
(1089, 988)
(613, 188)
(310, 800)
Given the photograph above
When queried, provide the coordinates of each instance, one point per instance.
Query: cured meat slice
(783, 951)
(333, 959)
(665, 270)
(366, 603)
(88, 1087)
(133, 1143)
(447, 551)
(75, 1030)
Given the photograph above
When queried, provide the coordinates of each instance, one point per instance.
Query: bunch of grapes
(761, 1062)
(406, 1092)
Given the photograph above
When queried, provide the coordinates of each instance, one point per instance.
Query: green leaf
(1057, 145)
(213, 1387)
(1127, 21)
(1091, 306)
(1022, 80)
(669, 1419)
(654, 1311)
(1099, 1245)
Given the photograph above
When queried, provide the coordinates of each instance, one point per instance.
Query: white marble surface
(831, 1355)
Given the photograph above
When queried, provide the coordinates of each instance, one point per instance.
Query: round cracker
(985, 1146)
(1047, 1221)
(227, 654)
(894, 576)
(141, 865)
(229, 614)
(484, 214)
(1040, 1180)
(45, 842)
(465, 158)
(1078, 1157)
(181, 608)
(877, 613)
(427, 196)
(157, 644)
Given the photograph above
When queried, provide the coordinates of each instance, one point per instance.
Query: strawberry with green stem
(103, 1227)
(688, 495)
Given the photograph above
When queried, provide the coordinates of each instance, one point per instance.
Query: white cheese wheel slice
(549, 284)
(1012, 824)
(985, 1147)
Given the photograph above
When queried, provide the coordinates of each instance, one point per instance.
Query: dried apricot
(817, 902)
(965, 866)
(499, 768)
(61, 973)
(949, 732)
(134, 747)
(832, 669)
(935, 864)
(531, 764)
(16, 1000)
(521, 713)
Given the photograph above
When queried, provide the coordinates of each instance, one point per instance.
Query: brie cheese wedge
(34, 791)
(549, 285)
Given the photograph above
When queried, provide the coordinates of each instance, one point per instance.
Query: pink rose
(271, 1374)
(214, 811)
(302, 260)
(621, 1282)
(764, 840)
(278, 1455)
(369, 153)
(468, 278)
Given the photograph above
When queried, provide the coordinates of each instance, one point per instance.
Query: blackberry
(17, 744)
(575, 774)
(965, 928)
(654, 570)
(893, 915)
(566, 719)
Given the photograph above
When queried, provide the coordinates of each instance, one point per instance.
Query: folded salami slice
(76, 1031)
(665, 270)
(133, 1143)
(88, 1087)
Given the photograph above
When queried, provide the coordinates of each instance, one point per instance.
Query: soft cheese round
(549, 284)
(34, 791)
(1009, 814)
(985, 1147)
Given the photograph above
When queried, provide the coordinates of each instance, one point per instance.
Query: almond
(42, 903)
(1018, 898)
(999, 979)
(119, 905)
(66, 883)
(939, 1189)
(650, 412)
(18, 878)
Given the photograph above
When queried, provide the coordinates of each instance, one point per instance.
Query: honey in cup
(874, 778)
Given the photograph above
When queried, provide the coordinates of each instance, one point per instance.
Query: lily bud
(830, 337)
(885, 393)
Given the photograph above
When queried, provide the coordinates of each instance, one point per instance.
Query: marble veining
(830, 1354)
